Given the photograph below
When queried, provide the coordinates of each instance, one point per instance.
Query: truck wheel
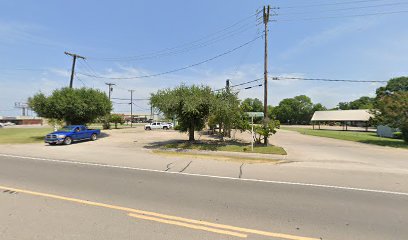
(165, 128)
(67, 141)
(148, 128)
(93, 137)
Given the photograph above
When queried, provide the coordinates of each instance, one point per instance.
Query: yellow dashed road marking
(153, 215)
(187, 225)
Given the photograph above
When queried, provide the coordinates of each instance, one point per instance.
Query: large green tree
(392, 105)
(74, 106)
(361, 103)
(399, 84)
(297, 110)
(189, 104)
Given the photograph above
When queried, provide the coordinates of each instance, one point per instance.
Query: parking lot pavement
(310, 159)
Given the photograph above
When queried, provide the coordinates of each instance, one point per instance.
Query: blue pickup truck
(68, 134)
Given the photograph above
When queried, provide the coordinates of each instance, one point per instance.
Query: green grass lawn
(227, 147)
(362, 137)
(23, 135)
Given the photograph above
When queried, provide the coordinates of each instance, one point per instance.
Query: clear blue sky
(35, 34)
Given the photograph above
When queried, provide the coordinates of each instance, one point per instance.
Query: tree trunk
(191, 132)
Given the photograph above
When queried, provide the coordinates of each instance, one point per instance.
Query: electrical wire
(325, 80)
(247, 88)
(240, 84)
(329, 4)
(177, 69)
(187, 49)
(175, 47)
(134, 99)
(255, 80)
(346, 9)
(343, 16)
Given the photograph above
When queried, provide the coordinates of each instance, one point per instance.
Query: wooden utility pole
(74, 57)
(227, 85)
(265, 21)
(131, 107)
(110, 89)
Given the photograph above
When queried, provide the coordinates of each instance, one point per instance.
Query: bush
(398, 135)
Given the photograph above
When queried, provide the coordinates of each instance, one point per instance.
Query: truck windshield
(67, 129)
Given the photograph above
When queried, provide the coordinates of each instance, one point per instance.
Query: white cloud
(330, 34)
(14, 32)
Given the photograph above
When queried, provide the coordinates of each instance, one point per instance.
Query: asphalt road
(55, 200)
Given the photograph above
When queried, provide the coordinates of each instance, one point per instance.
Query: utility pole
(227, 85)
(265, 21)
(110, 89)
(131, 107)
(74, 57)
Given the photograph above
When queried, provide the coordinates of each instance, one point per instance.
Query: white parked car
(9, 124)
(157, 125)
(1, 125)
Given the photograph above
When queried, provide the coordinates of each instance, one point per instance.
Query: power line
(186, 49)
(128, 99)
(178, 46)
(329, 4)
(343, 16)
(247, 88)
(325, 80)
(78, 78)
(255, 80)
(346, 9)
(240, 84)
(178, 69)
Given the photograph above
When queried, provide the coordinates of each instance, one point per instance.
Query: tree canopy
(297, 110)
(252, 105)
(361, 103)
(226, 112)
(392, 105)
(189, 104)
(399, 84)
(74, 106)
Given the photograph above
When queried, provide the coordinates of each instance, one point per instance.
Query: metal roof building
(344, 116)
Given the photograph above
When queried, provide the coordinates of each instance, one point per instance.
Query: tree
(297, 110)
(399, 84)
(318, 107)
(252, 105)
(116, 118)
(74, 106)
(226, 112)
(361, 103)
(265, 130)
(189, 104)
(392, 105)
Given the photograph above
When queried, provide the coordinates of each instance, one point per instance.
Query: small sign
(255, 114)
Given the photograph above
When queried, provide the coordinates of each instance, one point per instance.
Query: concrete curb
(227, 154)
